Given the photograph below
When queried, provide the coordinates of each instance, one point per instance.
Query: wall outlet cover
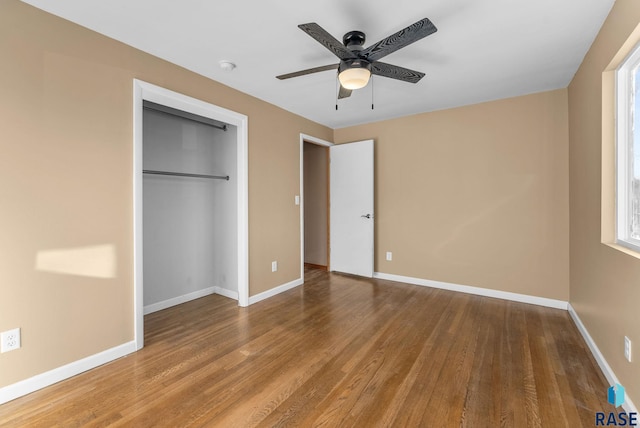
(9, 340)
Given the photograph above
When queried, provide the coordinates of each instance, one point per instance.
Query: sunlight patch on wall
(97, 261)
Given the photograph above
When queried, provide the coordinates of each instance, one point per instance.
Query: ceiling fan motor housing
(354, 40)
(354, 63)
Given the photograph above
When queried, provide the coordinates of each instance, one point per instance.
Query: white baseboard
(155, 307)
(277, 290)
(27, 386)
(628, 405)
(487, 292)
(226, 293)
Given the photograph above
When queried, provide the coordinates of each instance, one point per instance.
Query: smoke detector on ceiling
(227, 65)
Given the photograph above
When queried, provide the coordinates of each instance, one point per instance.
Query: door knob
(366, 215)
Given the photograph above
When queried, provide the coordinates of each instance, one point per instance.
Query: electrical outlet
(389, 256)
(9, 340)
(274, 266)
(627, 348)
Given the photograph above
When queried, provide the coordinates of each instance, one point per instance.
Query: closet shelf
(184, 174)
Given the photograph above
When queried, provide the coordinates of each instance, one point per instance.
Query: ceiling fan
(357, 64)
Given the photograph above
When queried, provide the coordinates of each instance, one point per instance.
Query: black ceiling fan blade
(327, 40)
(344, 92)
(308, 71)
(394, 72)
(402, 38)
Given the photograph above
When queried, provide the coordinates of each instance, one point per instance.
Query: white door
(351, 210)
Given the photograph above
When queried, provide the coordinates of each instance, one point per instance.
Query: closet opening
(189, 207)
(190, 202)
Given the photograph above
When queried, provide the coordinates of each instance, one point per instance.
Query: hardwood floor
(338, 351)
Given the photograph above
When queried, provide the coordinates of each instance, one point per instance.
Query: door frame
(304, 138)
(147, 91)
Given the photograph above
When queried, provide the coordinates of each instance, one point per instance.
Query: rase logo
(615, 396)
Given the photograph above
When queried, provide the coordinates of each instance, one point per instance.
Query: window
(628, 152)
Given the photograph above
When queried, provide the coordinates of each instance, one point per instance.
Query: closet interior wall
(189, 224)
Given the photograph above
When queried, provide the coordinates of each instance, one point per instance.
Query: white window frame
(625, 100)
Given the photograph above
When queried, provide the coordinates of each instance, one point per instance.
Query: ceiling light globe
(354, 78)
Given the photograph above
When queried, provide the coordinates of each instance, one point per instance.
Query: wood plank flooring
(339, 351)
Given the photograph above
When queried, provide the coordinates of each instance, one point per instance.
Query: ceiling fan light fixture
(354, 74)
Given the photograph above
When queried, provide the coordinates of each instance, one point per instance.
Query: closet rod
(187, 116)
(183, 174)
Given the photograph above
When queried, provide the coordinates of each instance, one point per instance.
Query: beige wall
(605, 282)
(66, 182)
(476, 195)
(316, 204)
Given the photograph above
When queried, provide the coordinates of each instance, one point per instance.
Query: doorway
(160, 97)
(314, 179)
(316, 206)
(350, 229)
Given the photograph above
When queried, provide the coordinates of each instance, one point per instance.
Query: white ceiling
(483, 50)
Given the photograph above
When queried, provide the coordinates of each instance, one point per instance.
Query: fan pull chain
(371, 92)
(336, 92)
